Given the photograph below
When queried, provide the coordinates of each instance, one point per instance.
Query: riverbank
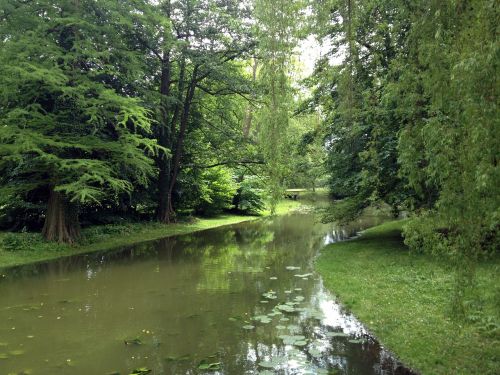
(404, 300)
(26, 248)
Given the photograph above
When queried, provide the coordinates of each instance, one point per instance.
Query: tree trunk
(180, 141)
(61, 221)
(164, 139)
(167, 132)
(249, 111)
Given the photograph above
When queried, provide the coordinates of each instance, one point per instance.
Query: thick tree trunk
(61, 220)
(180, 141)
(165, 210)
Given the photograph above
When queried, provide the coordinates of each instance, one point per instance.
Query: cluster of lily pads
(299, 348)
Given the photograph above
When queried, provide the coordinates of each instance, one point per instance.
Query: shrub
(250, 198)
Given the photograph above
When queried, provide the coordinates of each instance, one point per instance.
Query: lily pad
(273, 278)
(292, 340)
(262, 318)
(305, 275)
(270, 295)
(315, 352)
(280, 327)
(214, 366)
(322, 371)
(16, 352)
(292, 268)
(286, 308)
(4, 356)
(136, 341)
(248, 327)
(300, 343)
(267, 364)
(141, 371)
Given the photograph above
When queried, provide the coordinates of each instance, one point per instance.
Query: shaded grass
(404, 299)
(33, 248)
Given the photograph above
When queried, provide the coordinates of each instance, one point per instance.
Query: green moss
(33, 248)
(404, 299)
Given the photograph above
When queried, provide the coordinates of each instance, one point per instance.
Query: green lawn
(32, 248)
(404, 300)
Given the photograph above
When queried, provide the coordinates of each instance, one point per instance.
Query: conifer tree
(71, 131)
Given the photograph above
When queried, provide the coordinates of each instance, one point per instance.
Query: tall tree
(193, 44)
(278, 23)
(71, 130)
(451, 145)
(358, 106)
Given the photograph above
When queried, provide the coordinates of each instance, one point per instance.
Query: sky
(309, 51)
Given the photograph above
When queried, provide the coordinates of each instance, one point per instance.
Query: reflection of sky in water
(335, 317)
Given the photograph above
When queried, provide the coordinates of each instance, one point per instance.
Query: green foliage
(208, 191)
(67, 121)
(403, 298)
(306, 152)
(251, 195)
(278, 22)
(22, 242)
(413, 119)
(345, 210)
(458, 141)
(13, 242)
(217, 189)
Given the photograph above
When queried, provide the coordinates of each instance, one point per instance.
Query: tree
(278, 23)
(71, 131)
(414, 122)
(357, 103)
(453, 150)
(192, 45)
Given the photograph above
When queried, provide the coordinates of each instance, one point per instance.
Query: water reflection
(186, 300)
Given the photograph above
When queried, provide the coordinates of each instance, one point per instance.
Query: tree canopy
(160, 109)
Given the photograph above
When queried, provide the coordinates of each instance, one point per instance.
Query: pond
(242, 299)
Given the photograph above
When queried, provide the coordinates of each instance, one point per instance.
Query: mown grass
(405, 300)
(31, 247)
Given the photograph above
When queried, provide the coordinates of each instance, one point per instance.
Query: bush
(21, 241)
(250, 197)
(217, 189)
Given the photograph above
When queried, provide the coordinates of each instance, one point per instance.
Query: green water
(186, 301)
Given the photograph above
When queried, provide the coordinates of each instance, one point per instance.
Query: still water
(242, 299)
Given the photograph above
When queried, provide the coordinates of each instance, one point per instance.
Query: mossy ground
(405, 300)
(97, 238)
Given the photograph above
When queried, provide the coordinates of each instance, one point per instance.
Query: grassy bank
(404, 300)
(28, 248)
